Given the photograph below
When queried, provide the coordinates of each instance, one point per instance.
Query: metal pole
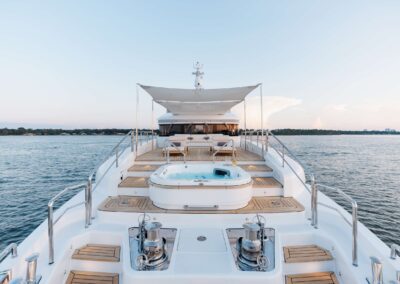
(283, 156)
(245, 124)
(314, 203)
(31, 277)
(355, 232)
(267, 140)
(137, 116)
(50, 232)
(116, 157)
(262, 119)
(132, 141)
(88, 202)
(152, 124)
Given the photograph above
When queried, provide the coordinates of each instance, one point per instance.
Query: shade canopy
(202, 101)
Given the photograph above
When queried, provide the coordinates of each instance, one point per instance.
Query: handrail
(354, 223)
(168, 144)
(314, 194)
(226, 145)
(50, 213)
(5, 276)
(11, 248)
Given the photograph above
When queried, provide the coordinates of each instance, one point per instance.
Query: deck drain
(201, 238)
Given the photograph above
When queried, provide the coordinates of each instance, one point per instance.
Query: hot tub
(200, 187)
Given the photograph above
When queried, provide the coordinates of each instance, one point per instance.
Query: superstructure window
(171, 129)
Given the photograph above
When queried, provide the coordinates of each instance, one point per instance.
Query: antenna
(198, 82)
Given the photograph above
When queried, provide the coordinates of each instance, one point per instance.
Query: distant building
(390, 130)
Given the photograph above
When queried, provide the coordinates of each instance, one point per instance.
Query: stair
(308, 264)
(261, 170)
(95, 263)
(134, 186)
(312, 278)
(85, 277)
(306, 253)
(95, 252)
(267, 186)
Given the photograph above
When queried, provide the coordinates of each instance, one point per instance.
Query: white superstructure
(200, 207)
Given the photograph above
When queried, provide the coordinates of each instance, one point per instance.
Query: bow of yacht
(201, 202)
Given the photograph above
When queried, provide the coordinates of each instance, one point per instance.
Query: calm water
(34, 169)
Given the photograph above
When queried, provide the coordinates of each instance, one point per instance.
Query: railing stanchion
(116, 157)
(132, 141)
(283, 156)
(355, 232)
(88, 202)
(314, 203)
(50, 231)
(11, 248)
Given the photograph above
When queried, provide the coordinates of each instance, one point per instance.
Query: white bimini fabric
(202, 101)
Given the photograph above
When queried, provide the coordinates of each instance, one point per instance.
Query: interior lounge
(190, 128)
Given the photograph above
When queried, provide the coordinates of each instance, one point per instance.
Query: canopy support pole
(245, 124)
(152, 124)
(262, 120)
(137, 118)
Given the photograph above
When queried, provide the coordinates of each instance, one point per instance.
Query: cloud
(337, 107)
(271, 105)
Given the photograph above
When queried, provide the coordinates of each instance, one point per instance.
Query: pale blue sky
(324, 64)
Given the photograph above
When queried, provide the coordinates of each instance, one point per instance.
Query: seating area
(198, 154)
(183, 144)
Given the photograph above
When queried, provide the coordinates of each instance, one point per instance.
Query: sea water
(33, 169)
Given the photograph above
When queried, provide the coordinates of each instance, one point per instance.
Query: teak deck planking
(98, 252)
(85, 277)
(306, 253)
(141, 204)
(312, 278)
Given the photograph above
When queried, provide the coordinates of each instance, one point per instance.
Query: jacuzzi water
(197, 175)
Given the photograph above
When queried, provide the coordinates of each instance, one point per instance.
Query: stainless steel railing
(50, 220)
(90, 186)
(11, 248)
(313, 185)
(353, 223)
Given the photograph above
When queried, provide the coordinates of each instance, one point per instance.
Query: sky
(323, 64)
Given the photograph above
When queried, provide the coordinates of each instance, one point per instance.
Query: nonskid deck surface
(136, 204)
(199, 154)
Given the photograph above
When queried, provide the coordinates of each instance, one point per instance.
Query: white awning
(203, 101)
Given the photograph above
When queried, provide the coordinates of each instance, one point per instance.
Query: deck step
(306, 253)
(98, 252)
(275, 204)
(135, 182)
(255, 168)
(312, 278)
(143, 168)
(85, 277)
(266, 182)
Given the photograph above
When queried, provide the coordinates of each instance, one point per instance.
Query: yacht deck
(199, 154)
(142, 204)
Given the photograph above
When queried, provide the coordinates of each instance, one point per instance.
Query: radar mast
(198, 82)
